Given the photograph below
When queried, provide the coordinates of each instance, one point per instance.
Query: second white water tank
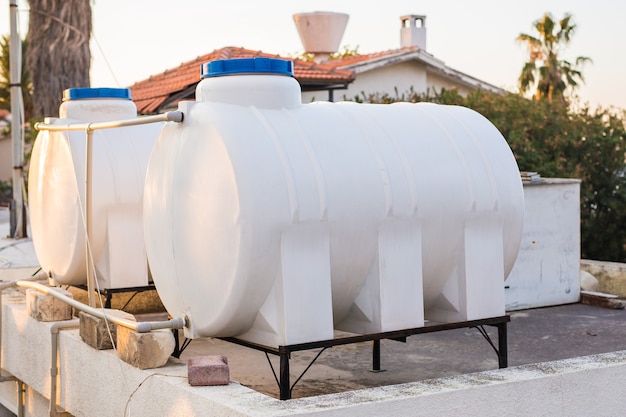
(56, 189)
(278, 222)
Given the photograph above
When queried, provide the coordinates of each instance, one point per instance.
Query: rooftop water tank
(277, 222)
(56, 189)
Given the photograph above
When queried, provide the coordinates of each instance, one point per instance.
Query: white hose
(54, 369)
(170, 116)
(139, 327)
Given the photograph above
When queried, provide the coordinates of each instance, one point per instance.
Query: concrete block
(145, 350)
(208, 370)
(44, 307)
(94, 331)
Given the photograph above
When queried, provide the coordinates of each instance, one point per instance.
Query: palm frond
(545, 71)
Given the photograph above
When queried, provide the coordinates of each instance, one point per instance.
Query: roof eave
(465, 79)
(400, 57)
(432, 64)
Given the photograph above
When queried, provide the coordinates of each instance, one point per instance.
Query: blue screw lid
(246, 66)
(87, 93)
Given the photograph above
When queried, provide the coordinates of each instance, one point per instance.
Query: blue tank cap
(246, 66)
(87, 93)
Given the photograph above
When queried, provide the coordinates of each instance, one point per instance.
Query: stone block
(600, 299)
(588, 282)
(44, 307)
(208, 370)
(94, 331)
(611, 276)
(145, 350)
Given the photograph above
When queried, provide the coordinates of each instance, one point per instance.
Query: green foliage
(558, 141)
(5, 79)
(346, 52)
(6, 193)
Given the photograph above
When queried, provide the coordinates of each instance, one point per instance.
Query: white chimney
(413, 31)
(321, 32)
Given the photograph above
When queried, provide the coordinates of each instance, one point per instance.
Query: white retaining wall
(97, 383)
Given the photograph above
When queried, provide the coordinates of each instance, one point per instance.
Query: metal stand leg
(376, 355)
(503, 357)
(176, 352)
(107, 303)
(285, 390)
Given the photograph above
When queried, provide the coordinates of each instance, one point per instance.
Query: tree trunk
(58, 55)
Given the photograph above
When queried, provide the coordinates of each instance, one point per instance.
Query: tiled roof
(179, 83)
(174, 84)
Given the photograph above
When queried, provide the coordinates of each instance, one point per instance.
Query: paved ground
(5, 413)
(536, 335)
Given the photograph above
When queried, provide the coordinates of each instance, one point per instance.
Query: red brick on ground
(208, 370)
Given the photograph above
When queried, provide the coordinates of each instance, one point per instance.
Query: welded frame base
(284, 351)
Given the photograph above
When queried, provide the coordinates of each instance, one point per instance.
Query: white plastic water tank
(278, 222)
(56, 189)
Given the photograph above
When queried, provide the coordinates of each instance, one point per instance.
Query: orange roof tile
(150, 94)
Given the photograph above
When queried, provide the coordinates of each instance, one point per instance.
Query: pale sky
(139, 38)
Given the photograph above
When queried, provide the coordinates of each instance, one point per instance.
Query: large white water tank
(278, 222)
(56, 189)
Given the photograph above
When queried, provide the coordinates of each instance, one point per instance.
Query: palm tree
(545, 72)
(58, 55)
(5, 80)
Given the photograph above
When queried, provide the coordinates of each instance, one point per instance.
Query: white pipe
(21, 389)
(54, 369)
(41, 276)
(18, 229)
(139, 327)
(170, 116)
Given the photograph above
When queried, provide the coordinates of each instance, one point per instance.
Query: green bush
(6, 193)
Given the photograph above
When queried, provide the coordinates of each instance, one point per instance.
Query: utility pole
(18, 210)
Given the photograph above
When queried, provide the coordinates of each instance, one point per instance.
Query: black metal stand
(284, 352)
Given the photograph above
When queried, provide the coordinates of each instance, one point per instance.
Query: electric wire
(104, 57)
(127, 406)
(129, 300)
